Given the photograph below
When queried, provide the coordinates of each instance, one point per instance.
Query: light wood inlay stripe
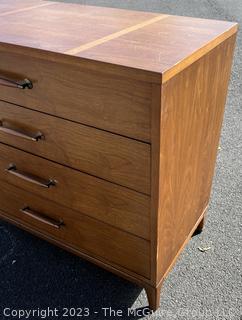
(115, 35)
(26, 9)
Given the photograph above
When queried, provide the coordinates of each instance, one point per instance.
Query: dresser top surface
(154, 42)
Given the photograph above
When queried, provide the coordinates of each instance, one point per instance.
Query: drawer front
(117, 105)
(102, 200)
(76, 230)
(111, 157)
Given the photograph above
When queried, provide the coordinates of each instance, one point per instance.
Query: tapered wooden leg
(200, 226)
(153, 295)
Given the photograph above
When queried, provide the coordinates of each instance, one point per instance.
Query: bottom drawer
(81, 232)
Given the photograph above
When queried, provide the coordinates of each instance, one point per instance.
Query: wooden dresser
(109, 128)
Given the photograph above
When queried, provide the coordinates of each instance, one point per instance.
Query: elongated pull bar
(12, 169)
(18, 133)
(23, 84)
(42, 217)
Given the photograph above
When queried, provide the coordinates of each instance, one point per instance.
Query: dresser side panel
(191, 118)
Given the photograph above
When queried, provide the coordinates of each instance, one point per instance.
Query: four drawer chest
(109, 128)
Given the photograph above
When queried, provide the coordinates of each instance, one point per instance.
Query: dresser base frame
(153, 292)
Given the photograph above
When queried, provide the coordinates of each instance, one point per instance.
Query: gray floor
(34, 274)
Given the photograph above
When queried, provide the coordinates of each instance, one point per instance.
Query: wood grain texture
(159, 47)
(79, 231)
(65, 26)
(71, 92)
(116, 269)
(162, 46)
(108, 156)
(187, 239)
(115, 35)
(104, 201)
(15, 6)
(155, 183)
(86, 65)
(122, 97)
(192, 112)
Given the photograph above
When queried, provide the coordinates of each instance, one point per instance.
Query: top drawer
(117, 105)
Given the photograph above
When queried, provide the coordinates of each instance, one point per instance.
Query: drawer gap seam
(80, 123)
(84, 172)
(82, 213)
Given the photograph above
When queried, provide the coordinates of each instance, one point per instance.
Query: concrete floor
(34, 274)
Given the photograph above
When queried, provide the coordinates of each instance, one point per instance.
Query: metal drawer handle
(23, 84)
(42, 217)
(12, 169)
(16, 133)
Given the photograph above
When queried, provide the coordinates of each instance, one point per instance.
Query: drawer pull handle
(23, 84)
(20, 134)
(42, 217)
(30, 178)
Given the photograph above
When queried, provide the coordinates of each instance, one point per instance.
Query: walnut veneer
(109, 128)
